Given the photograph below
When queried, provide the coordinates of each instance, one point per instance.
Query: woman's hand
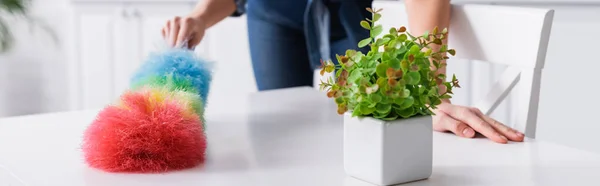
(184, 29)
(465, 121)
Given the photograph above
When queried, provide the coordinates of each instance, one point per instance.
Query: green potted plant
(387, 97)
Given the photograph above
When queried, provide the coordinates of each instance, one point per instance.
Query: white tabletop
(284, 137)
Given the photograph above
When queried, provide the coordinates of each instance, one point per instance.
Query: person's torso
(292, 12)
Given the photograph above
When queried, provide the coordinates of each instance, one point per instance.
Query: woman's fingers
(466, 115)
(510, 133)
(448, 123)
(185, 30)
(195, 40)
(166, 30)
(174, 31)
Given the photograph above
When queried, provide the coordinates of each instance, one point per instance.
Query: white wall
(234, 79)
(32, 75)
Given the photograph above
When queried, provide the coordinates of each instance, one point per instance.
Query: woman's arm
(424, 15)
(192, 27)
(213, 11)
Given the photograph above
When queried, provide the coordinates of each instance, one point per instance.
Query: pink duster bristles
(145, 137)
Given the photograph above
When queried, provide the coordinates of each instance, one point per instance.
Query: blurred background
(79, 54)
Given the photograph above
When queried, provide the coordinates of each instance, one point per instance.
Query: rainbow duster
(158, 124)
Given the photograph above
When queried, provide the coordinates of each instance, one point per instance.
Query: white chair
(513, 36)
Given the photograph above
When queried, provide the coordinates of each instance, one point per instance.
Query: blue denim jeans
(279, 50)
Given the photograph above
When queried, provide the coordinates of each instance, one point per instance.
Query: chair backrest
(513, 36)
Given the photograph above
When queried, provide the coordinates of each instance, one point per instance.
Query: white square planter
(388, 152)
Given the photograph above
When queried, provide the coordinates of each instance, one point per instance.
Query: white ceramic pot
(388, 152)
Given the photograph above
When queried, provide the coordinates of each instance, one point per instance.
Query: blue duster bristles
(181, 65)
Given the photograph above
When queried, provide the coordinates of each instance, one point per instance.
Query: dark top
(321, 20)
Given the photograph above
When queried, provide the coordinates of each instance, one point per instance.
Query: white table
(295, 139)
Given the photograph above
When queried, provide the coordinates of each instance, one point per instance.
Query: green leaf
(405, 93)
(408, 102)
(379, 42)
(401, 50)
(401, 83)
(346, 93)
(448, 85)
(356, 111)
(426, 35)
(350, 53)
(393, 31)
(376, 17)
(432, 92)
(358, 56)
(443, 48)
(423, 99)
(390, 36)
(394, 63)
(381, 70)
(441, 76)
(420, 111)
(338, 73)
(369, 71)
(407, 112)
(364, 42)
(339, 100)
(383, 108)
(375, 98)
(392, 43)
(376, 56)
(435, 100)
(423, 63)
(382, 82)
(365, 25)
(404, 65)
(445, 31)
(412, 78)
(452, 52)
(445, 96)
(386, 100)
(376, 31)
(372, 105)
(414, 49)
(402, 37)
(366, 110)
(386, 39)
(422, 89)
(399, 87)
(355, 75)
(379, 115)
(385, 57)
(399, 101)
